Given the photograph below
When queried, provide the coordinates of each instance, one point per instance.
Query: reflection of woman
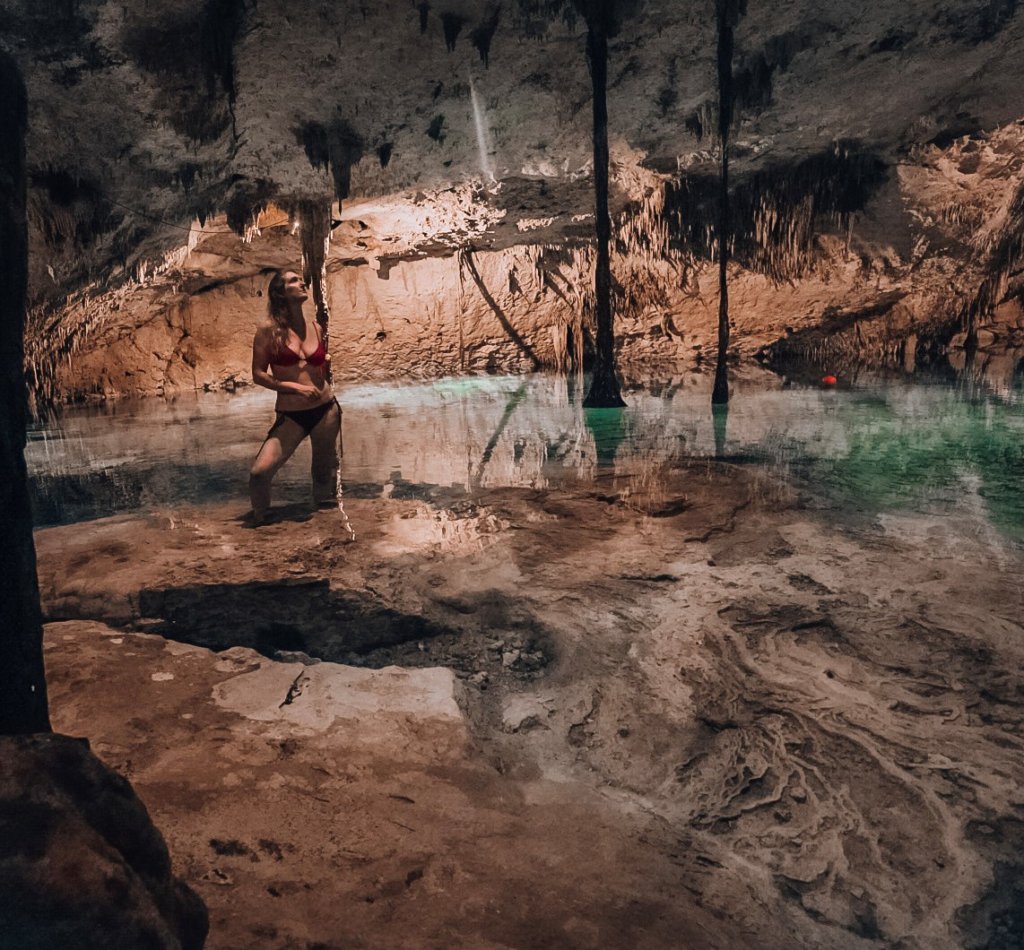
(291, 348)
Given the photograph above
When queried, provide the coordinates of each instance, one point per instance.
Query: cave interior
(669, 583)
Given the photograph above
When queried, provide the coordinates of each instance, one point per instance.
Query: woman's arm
(261, 348)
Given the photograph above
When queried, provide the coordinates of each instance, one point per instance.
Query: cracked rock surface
(708, 715)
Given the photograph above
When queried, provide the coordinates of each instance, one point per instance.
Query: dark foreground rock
(81, 864)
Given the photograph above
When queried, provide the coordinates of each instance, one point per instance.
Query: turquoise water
(929, 446)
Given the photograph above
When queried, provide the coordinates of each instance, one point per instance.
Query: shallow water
(926, 445)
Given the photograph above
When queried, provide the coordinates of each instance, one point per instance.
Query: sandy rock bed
(704, 713)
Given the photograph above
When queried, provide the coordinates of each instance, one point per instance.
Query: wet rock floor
(702, 714)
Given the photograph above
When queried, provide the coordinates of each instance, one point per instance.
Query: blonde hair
(277, 309)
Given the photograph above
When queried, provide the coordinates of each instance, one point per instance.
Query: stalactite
(1005, 257)
(314, 220)
(534, 18)
(452, 24)
(66, 208)
(222, 21)
(56, 332)
(335, 146)
(482, 35)
(776, 213)
(752, 80)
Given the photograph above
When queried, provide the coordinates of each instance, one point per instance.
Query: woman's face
(294, 287)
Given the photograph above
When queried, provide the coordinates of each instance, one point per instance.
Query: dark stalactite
(753, 80)
(245, 200)
(336, 146)
(384, 151)
(452, 24)
(1005, 259)
(533, 18)
(424, 11)
(182, 47)
(434, 130)
(187, 174)
(221, 24)
(775, 213)
(482, 35)
(727, 15)
(67, 210)
(23, 700)
(604, 389)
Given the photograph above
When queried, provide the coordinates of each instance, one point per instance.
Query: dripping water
(481, 133)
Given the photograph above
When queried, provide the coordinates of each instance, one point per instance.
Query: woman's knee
(261, 473)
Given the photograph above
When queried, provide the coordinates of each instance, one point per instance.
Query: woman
(291, 348)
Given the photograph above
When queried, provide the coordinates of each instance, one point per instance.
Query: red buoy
(829, 380)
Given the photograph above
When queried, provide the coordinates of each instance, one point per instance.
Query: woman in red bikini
(291, 349)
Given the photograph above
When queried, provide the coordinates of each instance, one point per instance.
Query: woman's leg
(326, 441)
(281, 442)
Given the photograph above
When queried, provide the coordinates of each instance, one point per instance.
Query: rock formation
(81, 865)
(868, 148)
(22, 685)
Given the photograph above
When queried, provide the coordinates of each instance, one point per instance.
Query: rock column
(23, 706)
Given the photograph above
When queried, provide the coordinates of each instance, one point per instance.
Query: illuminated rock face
(457, 125)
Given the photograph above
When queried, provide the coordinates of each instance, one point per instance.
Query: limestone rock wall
(509, 310)
(428, 284)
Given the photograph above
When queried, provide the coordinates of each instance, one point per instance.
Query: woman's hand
(305, 389)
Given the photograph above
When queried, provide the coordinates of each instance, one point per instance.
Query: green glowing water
(925, 446)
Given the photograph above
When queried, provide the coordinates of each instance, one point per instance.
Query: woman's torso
(304, 363)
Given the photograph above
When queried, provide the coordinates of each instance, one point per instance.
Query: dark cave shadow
(466, 260)
(293, 615)
(304, 620)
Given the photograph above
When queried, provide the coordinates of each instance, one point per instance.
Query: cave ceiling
(147, 116)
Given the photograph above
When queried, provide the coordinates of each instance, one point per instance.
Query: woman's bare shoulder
(263, 336)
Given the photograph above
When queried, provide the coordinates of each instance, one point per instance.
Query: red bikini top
(286, 356)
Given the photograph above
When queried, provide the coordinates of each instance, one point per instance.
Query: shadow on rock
(286, 615)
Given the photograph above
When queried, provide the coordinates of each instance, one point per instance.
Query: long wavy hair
(277, 309)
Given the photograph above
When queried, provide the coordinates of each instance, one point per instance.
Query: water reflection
(720, 424)
(923, 444)
(608, 429)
